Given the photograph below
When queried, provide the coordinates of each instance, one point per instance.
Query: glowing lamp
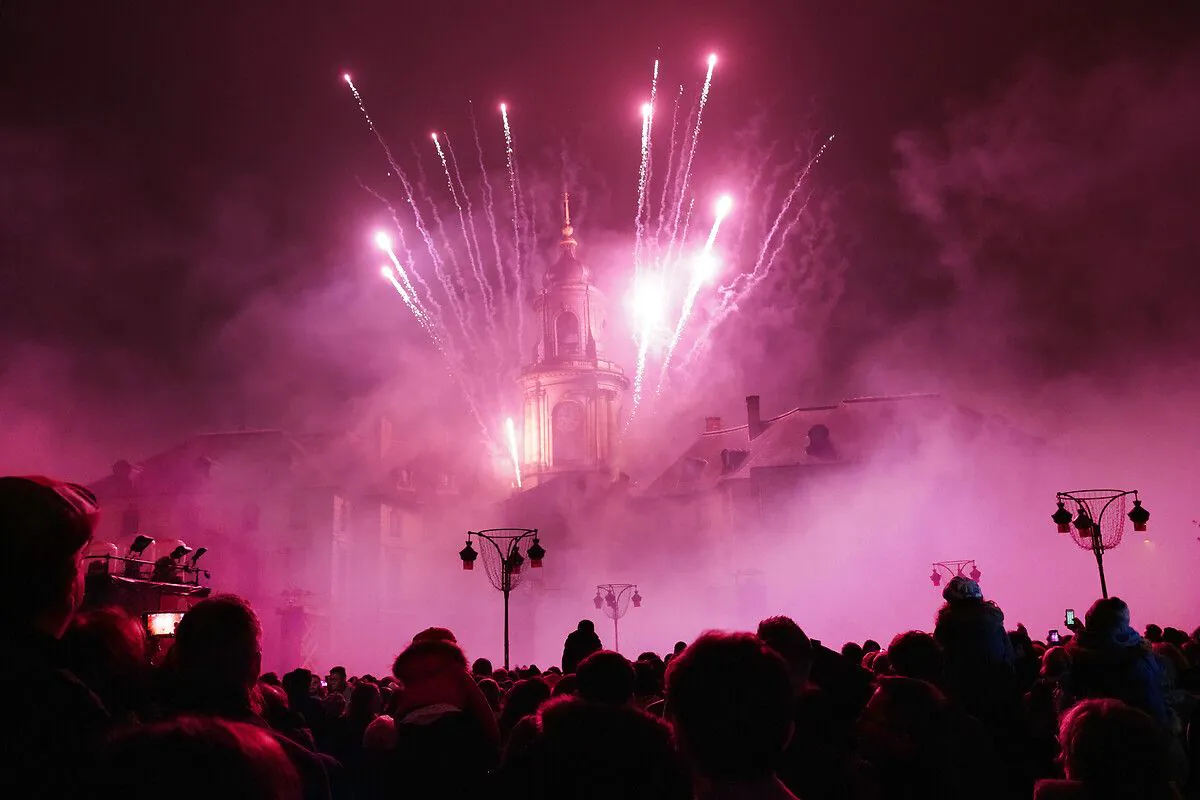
(598, 601)
(636, 599)
(1139, 517)
(468, 556)
(1083, 524)
(1062, 518)
(974, 574)
(935, 577)
(536, 554)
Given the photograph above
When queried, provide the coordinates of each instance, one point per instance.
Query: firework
(510, 434)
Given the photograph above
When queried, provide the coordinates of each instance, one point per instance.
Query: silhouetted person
(729, 699)
(197, 758)
(106, 648)
(213, 668)
(606, 677)
(50, 722)
(979, 656)
(580, 644)
(1110, 659)
(916, 654)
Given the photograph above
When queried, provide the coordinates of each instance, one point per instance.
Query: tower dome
(568, 268)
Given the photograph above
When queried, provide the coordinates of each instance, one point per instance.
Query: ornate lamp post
(954, 568)
(615, 599)
(1091, 524)
(503, 561)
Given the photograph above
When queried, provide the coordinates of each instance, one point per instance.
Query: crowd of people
(969, 710)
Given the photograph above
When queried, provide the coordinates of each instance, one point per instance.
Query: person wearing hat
(979, 656)
(50, 722)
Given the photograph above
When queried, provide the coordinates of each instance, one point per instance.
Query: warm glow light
(724, 205)
(503, 107)
(346, 77)
(649, 301)
(712, 60)
(645, 109)
(383, 241)
(434, 135)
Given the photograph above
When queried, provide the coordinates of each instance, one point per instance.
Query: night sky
(178, 177)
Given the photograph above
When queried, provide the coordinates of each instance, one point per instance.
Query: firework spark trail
(430, 304)
(691, 156)
(510, 433)
(514, 187)
(663, 204)
(649, 301)
(476, 267)
(487, 287)
(772, 246)
(490, 213)
(639, 220)
(438, 266)
(702, 270)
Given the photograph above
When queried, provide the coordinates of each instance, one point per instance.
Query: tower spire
(568, 242)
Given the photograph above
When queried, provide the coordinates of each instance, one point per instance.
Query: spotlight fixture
(180, 551)
(468, 556)
(140, 543)
(200, 551)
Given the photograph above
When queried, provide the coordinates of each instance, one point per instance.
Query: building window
(566, 334)
(568, 432)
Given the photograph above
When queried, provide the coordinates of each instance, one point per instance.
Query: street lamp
(503, 561)
(953, 569)
(1092, 526)
(615, 599)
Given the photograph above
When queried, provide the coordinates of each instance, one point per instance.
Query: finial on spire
(568, 242)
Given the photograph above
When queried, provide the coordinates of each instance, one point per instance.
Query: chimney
(754, 417)
(712, 424)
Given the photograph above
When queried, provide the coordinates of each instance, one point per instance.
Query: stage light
(196, 555)
(180, 551)
(468, 556)
(140, 543)
(1062, 518)
(636, 599)
(1139, 517)
(536, 554)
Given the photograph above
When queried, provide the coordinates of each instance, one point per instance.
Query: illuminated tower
(572, 395)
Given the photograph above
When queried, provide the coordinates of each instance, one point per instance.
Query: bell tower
(572, 395)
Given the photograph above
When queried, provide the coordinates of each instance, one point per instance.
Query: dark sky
(170, 164)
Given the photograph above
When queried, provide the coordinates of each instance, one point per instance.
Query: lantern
(1139, 516)
(1062, 518)
(974, 574)
(536, 554)
(468, 556)
(1083, 524)
(598, 600)
(636, 599)
(935, 577)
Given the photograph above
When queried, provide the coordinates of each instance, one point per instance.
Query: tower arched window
(566, 334)
(567, 427)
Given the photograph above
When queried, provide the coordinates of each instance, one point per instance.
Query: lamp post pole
(1094, 528)
(503, 561)
(615, 599)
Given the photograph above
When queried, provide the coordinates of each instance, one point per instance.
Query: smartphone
(1070, 617)
(1053, 637)
(162, 623)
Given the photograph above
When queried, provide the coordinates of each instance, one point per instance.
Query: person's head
(592, 751)
(336, 679)
(786, 638)
(190, 758)
(852, 652)
(1153, 633)
(106, 649)
(491, 693)
(916, 654)
(273, 702)
(1107, 615)
(44, 527)
(605, 677)
(433, 672)
(730, 699)
(334, 705)
(435, 634)
(218, 644)
(647, 679)
(1056, 662)
(298, 683)
(1115, 749)
(679, 648)
(871, 646)
(881, 664)
(270, 678)
(365, 701)
(524, 698)
(904, 717)
(586, 625)
(482, 668)
(567, 684)
(961, 589)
